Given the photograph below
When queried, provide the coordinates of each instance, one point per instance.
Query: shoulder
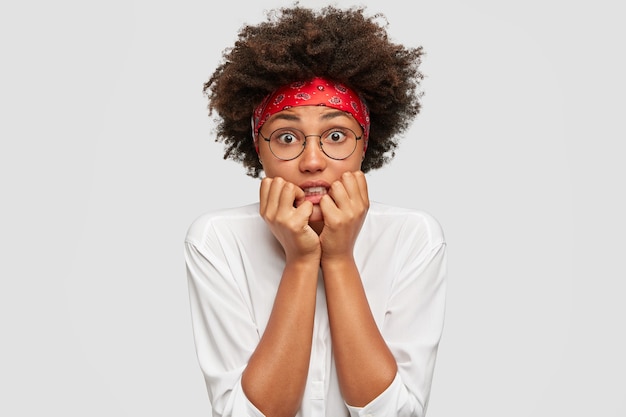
(405, 222)
(222, 223)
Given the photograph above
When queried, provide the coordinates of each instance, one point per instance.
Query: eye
(286, 137)
(335, 136)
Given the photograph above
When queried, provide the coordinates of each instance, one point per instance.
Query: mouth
(314, 191)
(314, 194)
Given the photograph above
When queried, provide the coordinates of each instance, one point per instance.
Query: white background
(107, 155)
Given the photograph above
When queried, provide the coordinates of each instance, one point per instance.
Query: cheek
(355, 161)
(277, 168)
(359, 155)
(265, 158)
(262, 152)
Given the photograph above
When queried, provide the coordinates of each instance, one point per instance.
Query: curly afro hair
(297, 43)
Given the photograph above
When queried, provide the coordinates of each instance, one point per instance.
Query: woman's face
(313, 170)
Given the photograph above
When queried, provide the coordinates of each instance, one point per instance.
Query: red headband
(316, 92)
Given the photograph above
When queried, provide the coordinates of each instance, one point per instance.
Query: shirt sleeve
(412, 329)
(224, 333)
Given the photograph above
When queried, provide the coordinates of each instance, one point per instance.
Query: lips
(314, 191)
(311, 191)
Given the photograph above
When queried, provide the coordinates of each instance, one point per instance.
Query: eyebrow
(333, 114)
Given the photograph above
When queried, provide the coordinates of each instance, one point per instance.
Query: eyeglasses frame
(268, 140)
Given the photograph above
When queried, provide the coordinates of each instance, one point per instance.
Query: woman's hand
(344, 209)
(290, 225)
(365, 365)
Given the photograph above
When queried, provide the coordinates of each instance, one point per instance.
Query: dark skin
(293, 44)
(316, 232)
(299, 43)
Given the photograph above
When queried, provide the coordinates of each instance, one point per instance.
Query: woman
(316, 301)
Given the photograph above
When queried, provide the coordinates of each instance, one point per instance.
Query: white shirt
(234, 266)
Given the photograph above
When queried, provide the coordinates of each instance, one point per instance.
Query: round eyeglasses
(289, 143)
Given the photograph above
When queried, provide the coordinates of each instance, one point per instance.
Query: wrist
(304, 261)
(337, 261)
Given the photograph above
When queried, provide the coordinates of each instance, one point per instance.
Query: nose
(312, 158)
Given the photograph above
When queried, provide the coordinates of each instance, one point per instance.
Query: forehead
(311, 114)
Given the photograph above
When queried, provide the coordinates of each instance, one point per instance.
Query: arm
(414, 319)
(240, 365)
(246, 376)
(388, 369)
(224, 331)
(275, 376)
(365, 365)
